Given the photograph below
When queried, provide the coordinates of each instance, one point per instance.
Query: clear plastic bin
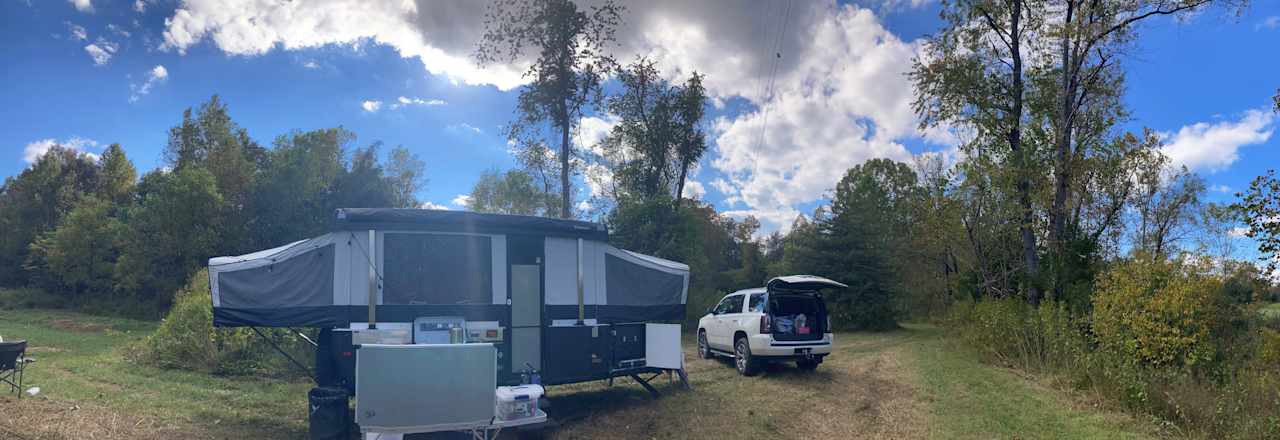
(515, 403)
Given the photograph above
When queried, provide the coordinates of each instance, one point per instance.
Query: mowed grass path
(912, 383)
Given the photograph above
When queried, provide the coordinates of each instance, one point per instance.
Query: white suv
(784, 321)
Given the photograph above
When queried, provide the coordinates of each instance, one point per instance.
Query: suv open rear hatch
(796, 309)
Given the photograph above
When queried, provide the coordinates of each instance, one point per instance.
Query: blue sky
(840, 97)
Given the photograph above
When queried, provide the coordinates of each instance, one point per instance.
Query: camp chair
(12, 362)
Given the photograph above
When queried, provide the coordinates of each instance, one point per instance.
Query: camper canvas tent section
(538, 282)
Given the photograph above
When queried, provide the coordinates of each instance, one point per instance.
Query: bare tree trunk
(1030, 259)
(684, 170)
(566, 210)
(1062, 160)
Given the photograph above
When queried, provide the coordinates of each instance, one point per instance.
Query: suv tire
(743, 360)
(807, 365)
(704, 349)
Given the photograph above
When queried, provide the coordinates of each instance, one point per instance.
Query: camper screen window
(437, 269)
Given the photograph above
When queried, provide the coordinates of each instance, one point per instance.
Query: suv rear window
(756, 304)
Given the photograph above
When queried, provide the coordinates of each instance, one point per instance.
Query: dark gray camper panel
(548, 293)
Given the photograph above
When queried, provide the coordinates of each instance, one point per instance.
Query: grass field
(912, 383)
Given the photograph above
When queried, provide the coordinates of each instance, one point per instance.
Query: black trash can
(328, 414)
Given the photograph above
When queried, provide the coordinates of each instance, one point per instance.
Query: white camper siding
(593, 267)
(560, 273)
(499, 243)
(357, 279)
(342, 253)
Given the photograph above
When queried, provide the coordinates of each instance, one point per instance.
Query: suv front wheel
(704, 350)
(742, 357)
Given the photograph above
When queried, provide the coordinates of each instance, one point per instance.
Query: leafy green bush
(30, 299)
(1010, 332)
(1158, 313)
(186, 339)
(1162, 338)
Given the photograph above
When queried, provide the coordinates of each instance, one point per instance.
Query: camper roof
(357, 219)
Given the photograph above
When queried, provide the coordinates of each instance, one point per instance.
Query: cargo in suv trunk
(798, 316)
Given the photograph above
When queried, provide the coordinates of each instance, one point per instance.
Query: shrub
(186, 339)
(1158, 313)
(1011, 332)
(30, 299)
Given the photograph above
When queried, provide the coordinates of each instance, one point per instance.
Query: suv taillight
(765, 327)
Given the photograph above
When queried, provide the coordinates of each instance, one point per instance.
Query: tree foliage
(511, 192)
(84, 229)
(565, 75)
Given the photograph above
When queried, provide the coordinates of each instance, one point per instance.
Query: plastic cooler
(515, 403)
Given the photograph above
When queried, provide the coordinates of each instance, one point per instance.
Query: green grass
(974, 400)
(82, 358)
(912, 383)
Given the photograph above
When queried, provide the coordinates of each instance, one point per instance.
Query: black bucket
(328, 413)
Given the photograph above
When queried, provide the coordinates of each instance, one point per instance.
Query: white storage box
(515, 403)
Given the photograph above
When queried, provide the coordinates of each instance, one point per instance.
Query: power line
(773, 74)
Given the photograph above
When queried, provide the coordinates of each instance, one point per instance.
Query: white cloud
(118, 31)
(371, 106)
(139, 6)
(1271, 22)
(1220, 188)
(592, 130)
(35, 149)
(461, 200)
(156, 75)
(405, 101)
(1213, 147)
(250, 27)
(841, 94)
(101, 51)
(693, 189)
(311, 64)
(82, 5)
(846, 102)
(1238, 232)
(429, 205)
(77, 31)
(465, 127)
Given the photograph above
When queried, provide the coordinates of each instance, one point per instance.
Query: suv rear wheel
(742, 357)
(704, 350)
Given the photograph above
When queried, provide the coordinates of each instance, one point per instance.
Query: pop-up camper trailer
(546, 293)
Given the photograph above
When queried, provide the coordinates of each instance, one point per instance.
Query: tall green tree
(80, 255)
(511, 192)
(974, 75)
(171, 234)
(292, 198)
(658, 137)
(406, 173)
(1090, 36)
(1261, 207)
(35, 201)
(210, 139)
(571, 60)
(117, 176)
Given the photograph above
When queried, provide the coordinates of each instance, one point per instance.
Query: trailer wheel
(704, 350)
(742, 357)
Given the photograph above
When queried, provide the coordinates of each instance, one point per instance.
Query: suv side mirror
(711, 310)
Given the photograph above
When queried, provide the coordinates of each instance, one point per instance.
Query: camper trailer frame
(563, 300)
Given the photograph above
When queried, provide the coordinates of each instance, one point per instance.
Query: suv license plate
(804, 350)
